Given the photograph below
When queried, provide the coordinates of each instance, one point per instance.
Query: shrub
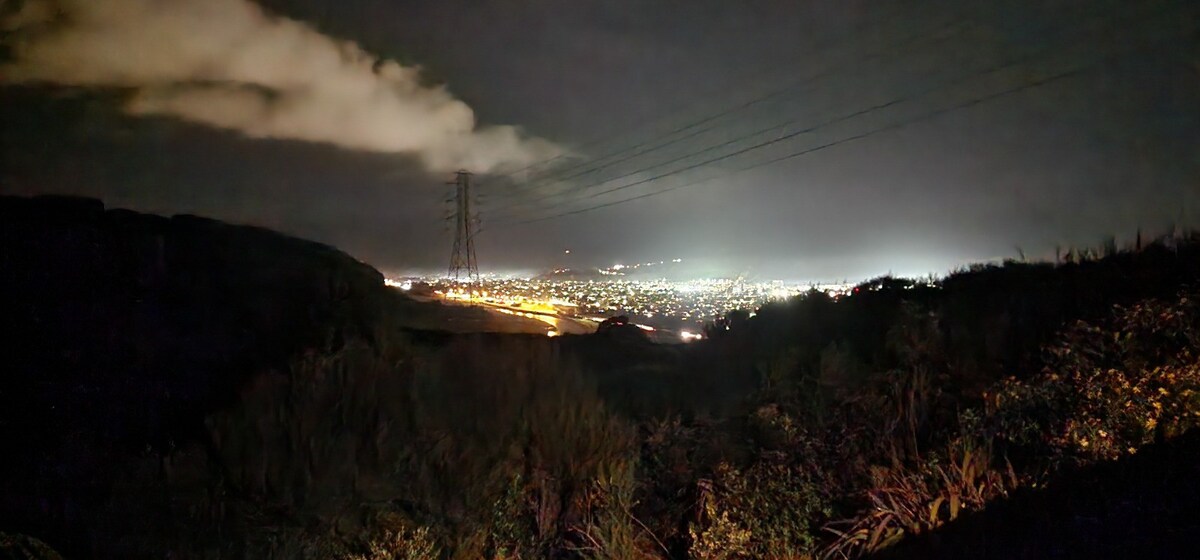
(1109, 388)
(718, 537)
(512, 529)
(401, 544)
(769, 510)
(610, 530)
(913, 500)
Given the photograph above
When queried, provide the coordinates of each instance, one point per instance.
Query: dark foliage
(181, 386)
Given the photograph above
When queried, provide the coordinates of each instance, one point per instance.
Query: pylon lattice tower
(462, 256)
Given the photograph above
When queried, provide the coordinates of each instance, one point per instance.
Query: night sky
(938, 134)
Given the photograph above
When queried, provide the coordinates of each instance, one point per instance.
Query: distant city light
(670, 307)
(406, 285)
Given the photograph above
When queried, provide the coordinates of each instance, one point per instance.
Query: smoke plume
(230, 64)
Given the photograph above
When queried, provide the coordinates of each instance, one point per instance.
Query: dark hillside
(186, 388)
(187, 306)
(986, 321)
(171, 379)
(125, 329)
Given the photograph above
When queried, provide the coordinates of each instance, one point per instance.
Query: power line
(842, 118)
(872, 132)
(750, 76)
(878, 130)
(552, 179)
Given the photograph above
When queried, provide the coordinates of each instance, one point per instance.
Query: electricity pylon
(462, 256)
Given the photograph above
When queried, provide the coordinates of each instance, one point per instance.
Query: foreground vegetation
(175, 401)
(544, 467)
(819, 428)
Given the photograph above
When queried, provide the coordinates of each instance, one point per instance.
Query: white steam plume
(230, 64)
